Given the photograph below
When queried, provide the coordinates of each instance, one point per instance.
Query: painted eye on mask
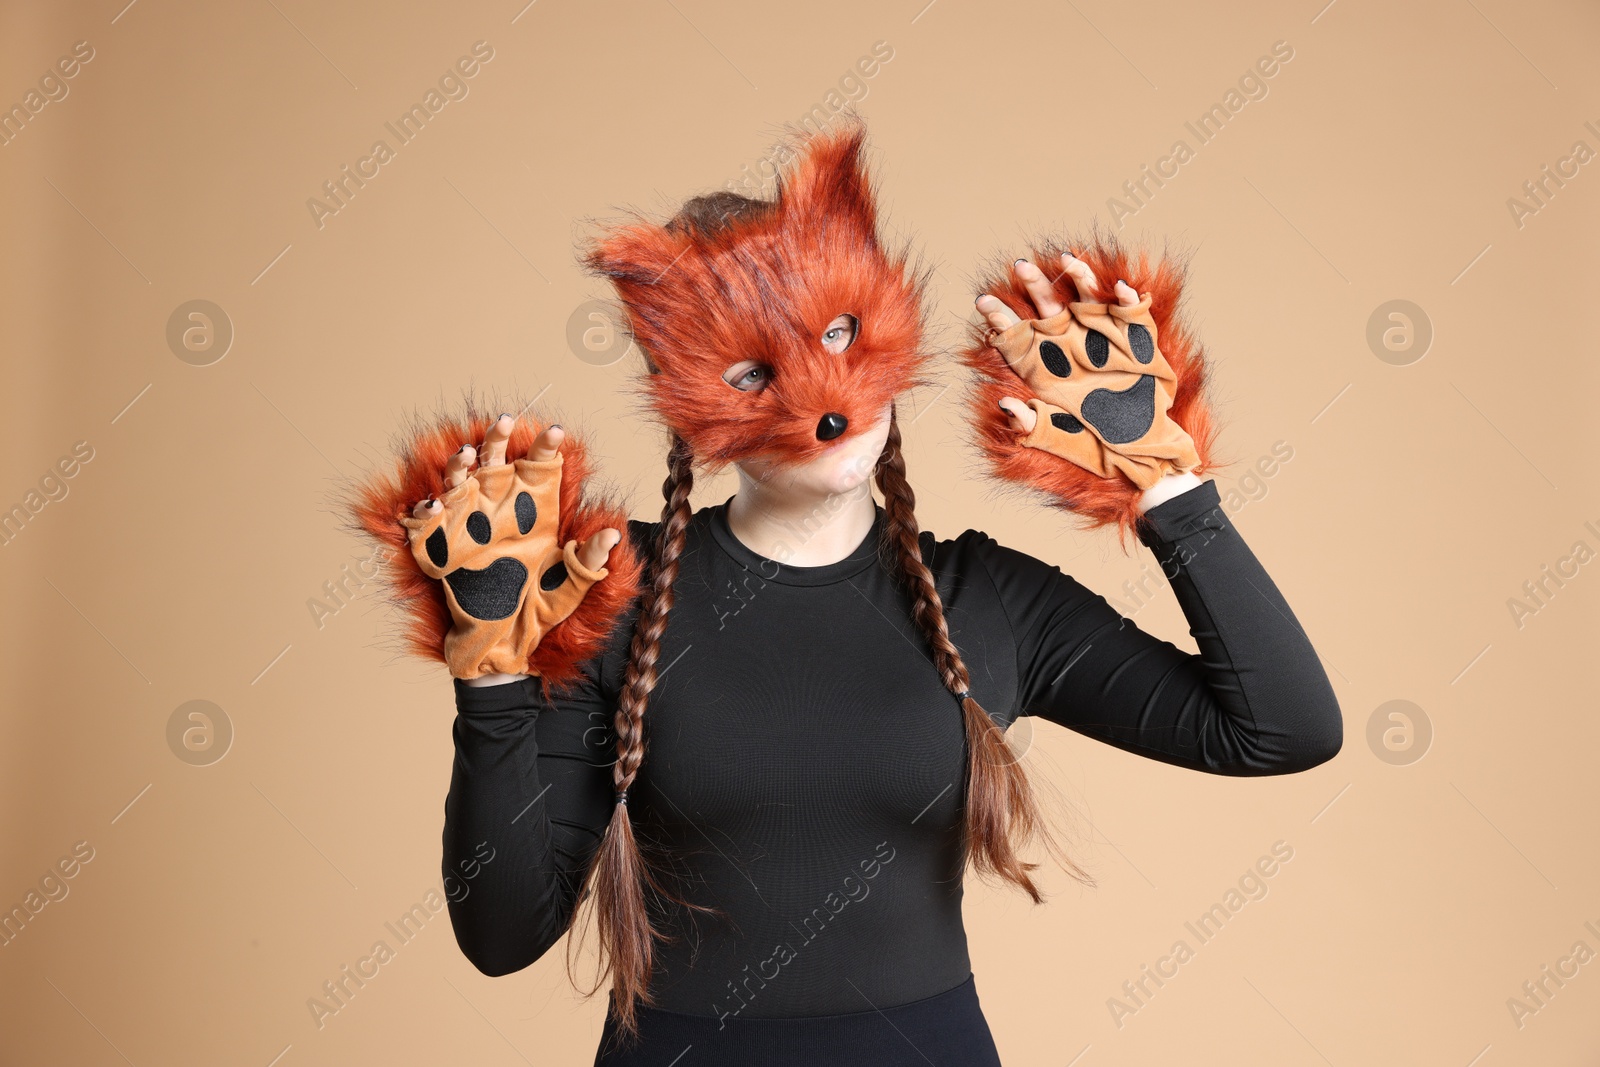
(748, 376)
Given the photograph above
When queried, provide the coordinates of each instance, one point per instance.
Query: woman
(771, 778)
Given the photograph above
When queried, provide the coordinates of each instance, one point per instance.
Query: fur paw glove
(489, 577)
(507, 579)
(1118, 391)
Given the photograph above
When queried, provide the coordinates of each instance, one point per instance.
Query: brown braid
(1001, 813)
(620, 874)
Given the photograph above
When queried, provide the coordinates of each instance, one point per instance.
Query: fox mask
(764, 286)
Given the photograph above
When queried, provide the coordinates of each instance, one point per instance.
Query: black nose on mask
(830, 426)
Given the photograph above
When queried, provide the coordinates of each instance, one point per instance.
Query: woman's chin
(845, 480)
(833, 472)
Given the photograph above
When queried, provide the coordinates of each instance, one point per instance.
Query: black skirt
(948, 1028)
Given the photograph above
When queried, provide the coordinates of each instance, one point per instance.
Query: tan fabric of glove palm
(1102, 390)
(506, 579)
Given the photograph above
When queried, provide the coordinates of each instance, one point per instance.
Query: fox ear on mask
(740, 279)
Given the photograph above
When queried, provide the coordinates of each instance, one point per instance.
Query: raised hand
(491, 538)
(1101, 386)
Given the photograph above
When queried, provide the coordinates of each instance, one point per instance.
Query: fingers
(548, 444)
(1040, 289)
(1087, 284)
(593, 552)
(998, 315)
(1022, 416)
(1081, 274)
(460, 465)
(495, 440)
(492, 454)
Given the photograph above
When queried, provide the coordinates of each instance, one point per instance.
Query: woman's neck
(802, 529)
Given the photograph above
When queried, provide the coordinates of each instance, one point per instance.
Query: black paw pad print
(1102, 389)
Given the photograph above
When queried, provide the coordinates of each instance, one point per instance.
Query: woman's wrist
(1169, 486)
(495, 679)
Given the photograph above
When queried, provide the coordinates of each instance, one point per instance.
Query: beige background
(179, 565)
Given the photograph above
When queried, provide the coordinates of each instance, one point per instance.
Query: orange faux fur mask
(764, 286)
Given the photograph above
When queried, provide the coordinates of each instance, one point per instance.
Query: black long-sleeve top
(804, 763)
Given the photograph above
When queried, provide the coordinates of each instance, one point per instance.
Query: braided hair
(1001, 813)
